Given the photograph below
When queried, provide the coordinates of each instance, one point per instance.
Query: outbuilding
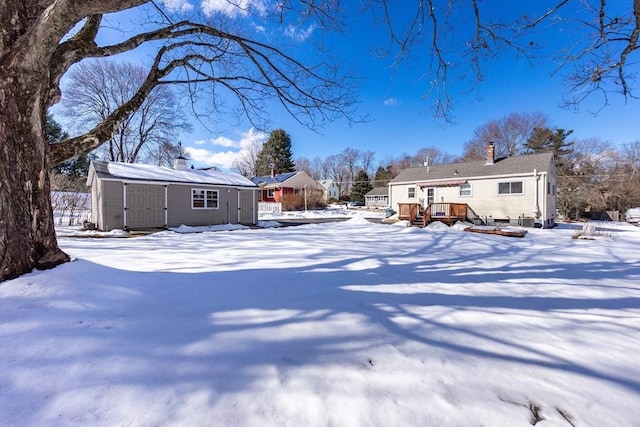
(138, 196)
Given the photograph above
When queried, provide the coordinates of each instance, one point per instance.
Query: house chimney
(490, 153)
(273, 171)
(180, 164)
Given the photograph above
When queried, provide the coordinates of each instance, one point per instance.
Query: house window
(514, 187)
(465, 190)
(270, 193)
(411, 194)
(204, 199)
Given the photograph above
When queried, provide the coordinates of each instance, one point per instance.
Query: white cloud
(259, 28)
(199, 142)
(233, 8)
(223, 141)
(225, 159)
(299, 34)
(204, 157)
(390, 102)
(250, 137)
(178, 5)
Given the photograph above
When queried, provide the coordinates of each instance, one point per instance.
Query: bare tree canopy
(95, 89)
(596, 57)
(431, 156)
(509, 135)
(247, 161)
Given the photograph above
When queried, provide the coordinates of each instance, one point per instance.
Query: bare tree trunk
(27, 234)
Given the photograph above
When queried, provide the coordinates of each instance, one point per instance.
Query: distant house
(331, 189)
(519, 189)
(137, 196)
(378, 197)
(273, 187)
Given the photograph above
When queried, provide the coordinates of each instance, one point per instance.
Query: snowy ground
(337, 324)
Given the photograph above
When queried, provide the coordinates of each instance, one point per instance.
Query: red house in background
(273, 187)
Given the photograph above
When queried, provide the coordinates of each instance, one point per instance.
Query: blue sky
(400, 118)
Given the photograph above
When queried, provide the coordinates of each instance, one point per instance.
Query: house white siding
(509, 189)
(331, 189)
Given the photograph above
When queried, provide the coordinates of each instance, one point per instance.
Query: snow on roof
(141, 172)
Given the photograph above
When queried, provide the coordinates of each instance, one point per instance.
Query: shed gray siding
(144, 196)
(179, 210)
(112, 205)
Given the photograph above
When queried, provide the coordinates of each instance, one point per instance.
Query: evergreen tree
(545, 140)
(383, 176)
(53, 131)
(75, 170)
(361, 186)
(276, 154)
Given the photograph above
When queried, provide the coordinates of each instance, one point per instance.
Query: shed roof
(476, 169)
(141, 172)
(378, 191)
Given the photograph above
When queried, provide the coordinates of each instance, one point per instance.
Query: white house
(331, 189)
(138, 196)
(513, 189)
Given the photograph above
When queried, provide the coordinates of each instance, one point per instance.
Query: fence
(70, 208)
(269, 207)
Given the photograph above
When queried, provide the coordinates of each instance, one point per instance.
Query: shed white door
(246, 207)
(145, 206)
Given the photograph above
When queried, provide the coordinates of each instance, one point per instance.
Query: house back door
(246, 207)
(145, 206)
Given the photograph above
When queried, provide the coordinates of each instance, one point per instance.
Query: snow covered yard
(336, 324)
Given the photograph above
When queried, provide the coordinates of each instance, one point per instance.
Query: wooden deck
(449, 213)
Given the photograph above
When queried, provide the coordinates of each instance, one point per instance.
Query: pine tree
(545, 140)
(361, 186)
(75, 170)
(276, 154)
(383, 176)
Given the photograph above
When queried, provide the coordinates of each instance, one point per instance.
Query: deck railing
(445, 212)
(408, 211)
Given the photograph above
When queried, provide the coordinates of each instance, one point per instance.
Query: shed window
(411, 193)
(465, 190)
(204, 199)
(513, 187)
